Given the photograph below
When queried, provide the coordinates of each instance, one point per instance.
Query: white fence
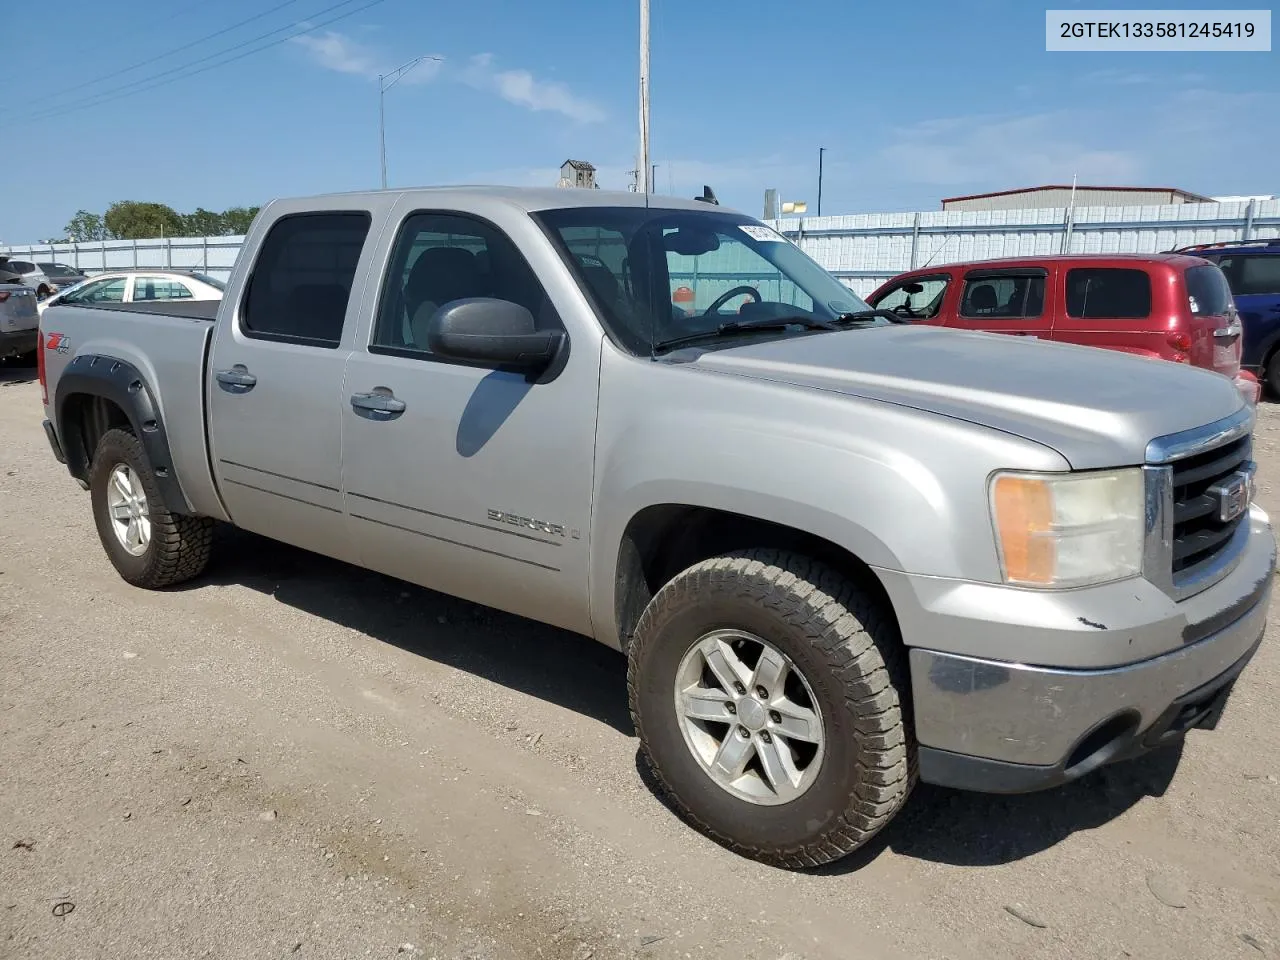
(868, 248)
(212, 255)
(863, 250)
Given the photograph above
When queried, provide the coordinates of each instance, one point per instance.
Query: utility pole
(395, 76)
(646, 171)
(821, 151)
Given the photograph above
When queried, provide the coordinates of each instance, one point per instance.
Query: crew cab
(1165, 306)
(841, 553)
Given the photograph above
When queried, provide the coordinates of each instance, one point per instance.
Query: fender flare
(124, 385)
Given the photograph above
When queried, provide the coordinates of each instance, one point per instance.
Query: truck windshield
(657, 275)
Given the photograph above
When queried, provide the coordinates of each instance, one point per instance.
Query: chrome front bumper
(1132, 667)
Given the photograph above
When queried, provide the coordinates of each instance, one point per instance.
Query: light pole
(646, 173)
(821, 151)
(395, 76)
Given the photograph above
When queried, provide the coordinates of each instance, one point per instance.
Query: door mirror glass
(485, 330)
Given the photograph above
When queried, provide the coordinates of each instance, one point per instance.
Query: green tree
(204, 223)
(86, 226)
(133, 220)
(236, 220)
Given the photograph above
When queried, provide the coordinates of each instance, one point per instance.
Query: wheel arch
(661, 540)
(97, 393)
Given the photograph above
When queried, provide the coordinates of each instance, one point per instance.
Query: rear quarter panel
(170, 353)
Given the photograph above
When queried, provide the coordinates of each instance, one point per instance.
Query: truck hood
(1098, 408)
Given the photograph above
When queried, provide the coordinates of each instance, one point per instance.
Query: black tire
(848, 649)
(1271, 375)
(180, 544)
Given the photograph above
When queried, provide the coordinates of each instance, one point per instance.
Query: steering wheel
(729, 295)
(904, 310)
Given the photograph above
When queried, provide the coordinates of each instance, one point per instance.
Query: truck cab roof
(528, 199)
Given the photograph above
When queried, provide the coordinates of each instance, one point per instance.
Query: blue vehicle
(1252, 268)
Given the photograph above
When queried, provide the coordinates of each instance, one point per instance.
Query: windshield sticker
(761, 232)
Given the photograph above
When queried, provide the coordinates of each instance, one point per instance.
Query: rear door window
(302, 279)
(1108, 293)
(1002, 297)
(1252, 274)
(159, 288)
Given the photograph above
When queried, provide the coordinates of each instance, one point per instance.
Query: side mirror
(484, 330)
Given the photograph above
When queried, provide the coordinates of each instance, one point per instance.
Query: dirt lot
(295, 758)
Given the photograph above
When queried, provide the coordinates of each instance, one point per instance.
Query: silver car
(30, 274)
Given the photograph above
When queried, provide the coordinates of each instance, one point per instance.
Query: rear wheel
(149, 546)
(770, 700)
(1271, 374)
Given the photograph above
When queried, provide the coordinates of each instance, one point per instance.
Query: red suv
(1170, 306)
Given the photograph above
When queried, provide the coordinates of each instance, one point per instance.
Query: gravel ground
(292, 757)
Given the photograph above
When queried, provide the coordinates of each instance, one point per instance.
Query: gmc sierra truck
(840, 554)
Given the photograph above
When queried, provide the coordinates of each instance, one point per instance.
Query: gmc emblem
(1232, 495)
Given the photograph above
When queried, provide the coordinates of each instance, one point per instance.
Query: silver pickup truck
(841, 553)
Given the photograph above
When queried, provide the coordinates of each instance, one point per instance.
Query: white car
(138, 286)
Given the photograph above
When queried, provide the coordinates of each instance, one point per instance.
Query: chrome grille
(1199, 533)
(1199, 485)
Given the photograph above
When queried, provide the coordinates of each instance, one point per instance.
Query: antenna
(945, 241)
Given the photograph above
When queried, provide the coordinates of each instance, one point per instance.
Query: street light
(395, 76)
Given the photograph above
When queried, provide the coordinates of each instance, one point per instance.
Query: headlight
(1068, 530)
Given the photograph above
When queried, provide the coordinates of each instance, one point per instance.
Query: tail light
(44, 388)
(4, 295)
(1180, 342)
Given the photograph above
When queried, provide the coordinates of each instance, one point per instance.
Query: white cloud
(1111, 76)
(1009, 151)
(524, 89)
(336, 51)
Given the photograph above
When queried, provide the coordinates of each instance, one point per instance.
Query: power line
(99, 39)
(145, 63)
(123, 91)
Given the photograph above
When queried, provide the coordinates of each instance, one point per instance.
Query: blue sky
(914, 101)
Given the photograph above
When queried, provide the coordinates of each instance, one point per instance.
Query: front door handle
(236, 380)
(377, 406)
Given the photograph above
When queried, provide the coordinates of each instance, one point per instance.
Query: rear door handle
(377, 406)
(236, 380)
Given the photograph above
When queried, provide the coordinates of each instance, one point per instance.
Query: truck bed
(167, 342)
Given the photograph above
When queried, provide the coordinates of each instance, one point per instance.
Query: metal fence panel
(863, 249)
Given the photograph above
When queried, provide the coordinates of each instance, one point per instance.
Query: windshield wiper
(746, 326)
(857, 315)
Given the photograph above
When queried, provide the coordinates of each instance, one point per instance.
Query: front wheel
(770, 700)
(149, 546)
